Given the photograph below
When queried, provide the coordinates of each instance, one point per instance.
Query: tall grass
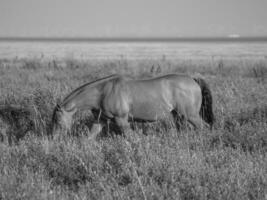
(154, 162)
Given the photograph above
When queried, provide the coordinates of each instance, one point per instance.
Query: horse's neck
(84, 98)
(88, 96)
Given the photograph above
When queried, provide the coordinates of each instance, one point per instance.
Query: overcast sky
(115, 18)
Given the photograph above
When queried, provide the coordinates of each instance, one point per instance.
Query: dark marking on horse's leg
(179, 120)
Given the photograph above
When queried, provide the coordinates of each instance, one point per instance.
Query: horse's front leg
(123, 124)
(95, 130)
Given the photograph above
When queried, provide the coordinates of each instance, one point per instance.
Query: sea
(133, 48)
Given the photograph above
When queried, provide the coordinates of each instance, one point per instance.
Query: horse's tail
(206, 111)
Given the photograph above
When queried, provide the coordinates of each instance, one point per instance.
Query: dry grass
(227, 163)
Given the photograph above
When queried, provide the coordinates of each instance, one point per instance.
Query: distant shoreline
(133, 39)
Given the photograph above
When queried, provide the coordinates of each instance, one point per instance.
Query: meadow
(151, 162)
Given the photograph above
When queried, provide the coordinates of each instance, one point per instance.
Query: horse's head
(61, 120)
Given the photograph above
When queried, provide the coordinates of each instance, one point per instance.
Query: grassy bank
(228, 163)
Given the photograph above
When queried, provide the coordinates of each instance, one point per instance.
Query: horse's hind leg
(196, 121)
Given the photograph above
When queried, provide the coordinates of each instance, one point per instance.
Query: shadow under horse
(118, 100)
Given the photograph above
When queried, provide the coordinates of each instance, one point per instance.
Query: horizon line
(133, 39)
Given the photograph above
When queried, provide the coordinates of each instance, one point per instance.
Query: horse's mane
(99, 80)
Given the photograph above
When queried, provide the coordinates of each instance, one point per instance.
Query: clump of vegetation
(259, 71)
(15, 122)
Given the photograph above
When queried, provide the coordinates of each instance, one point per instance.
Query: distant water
(134, 39)
(132, 48)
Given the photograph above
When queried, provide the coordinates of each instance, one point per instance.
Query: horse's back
(170, 83)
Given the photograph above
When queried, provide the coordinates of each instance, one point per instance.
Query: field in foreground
(228, 163)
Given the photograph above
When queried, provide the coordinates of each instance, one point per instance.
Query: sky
(132, 18)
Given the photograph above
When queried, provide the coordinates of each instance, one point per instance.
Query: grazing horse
(120, 99)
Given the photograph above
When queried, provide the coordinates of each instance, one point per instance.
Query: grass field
(228, 162)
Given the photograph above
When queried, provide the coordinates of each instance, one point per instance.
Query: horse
(121, 99)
